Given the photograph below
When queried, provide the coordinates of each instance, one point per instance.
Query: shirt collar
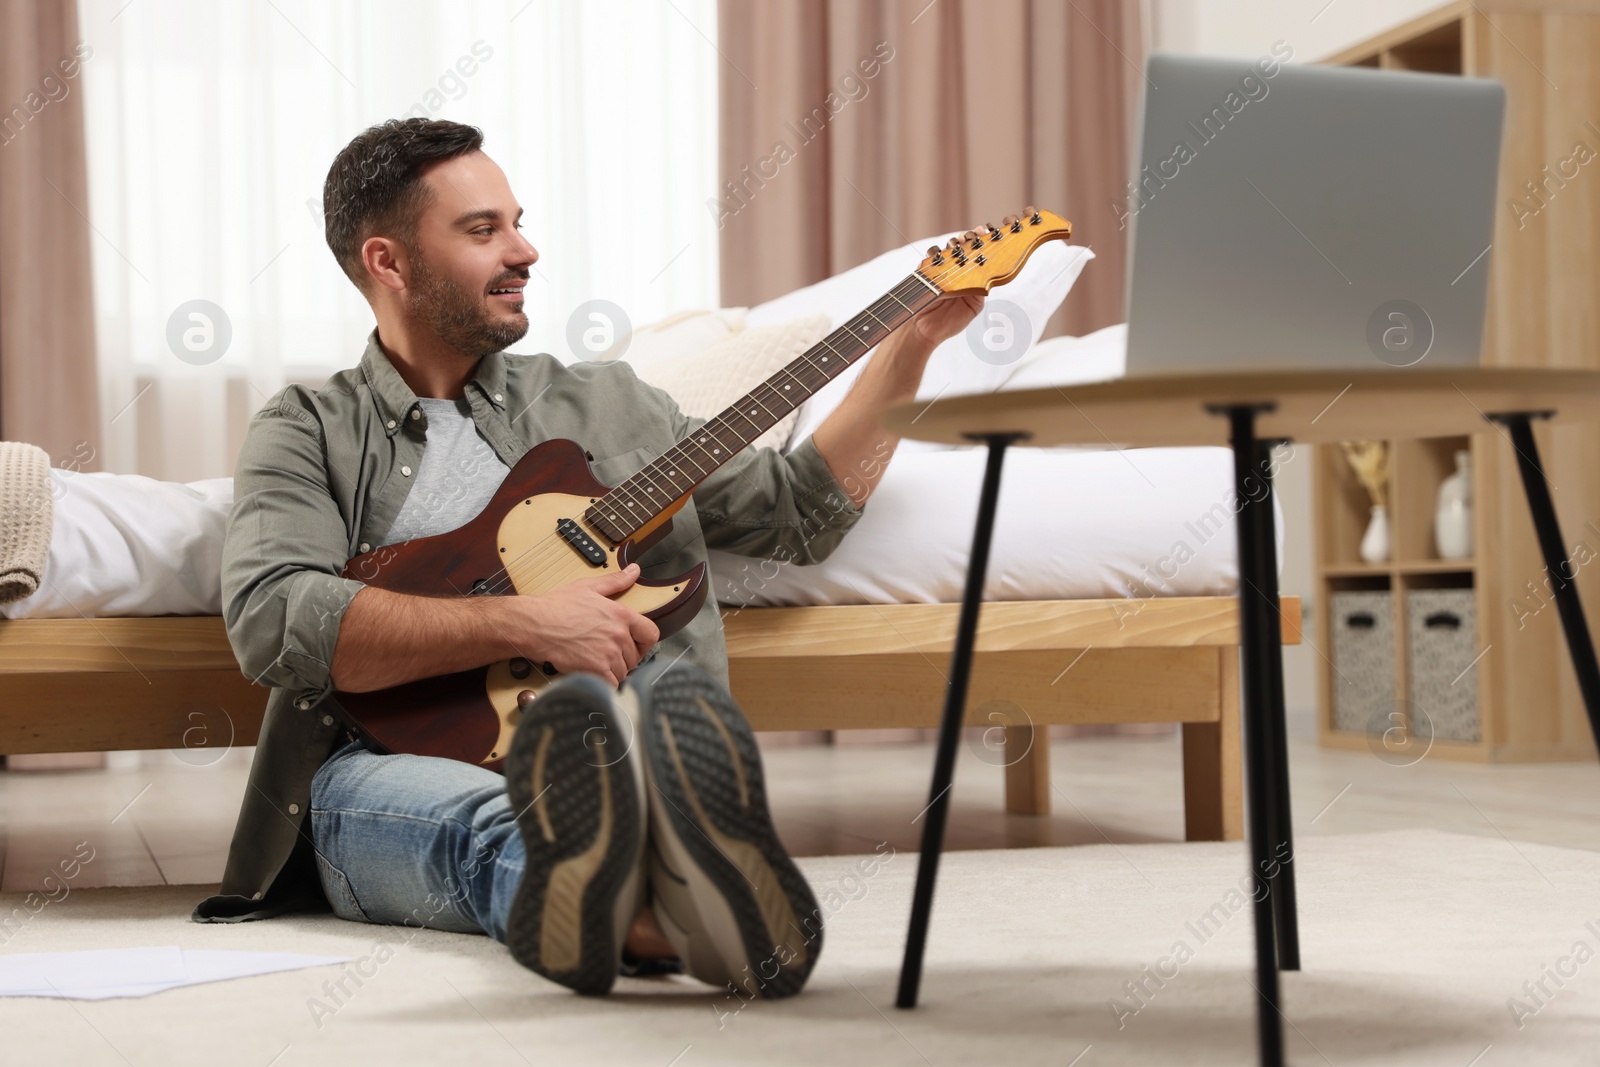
(491, 379)
(396, 401)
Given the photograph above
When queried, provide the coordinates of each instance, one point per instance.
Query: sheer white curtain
(212, 126)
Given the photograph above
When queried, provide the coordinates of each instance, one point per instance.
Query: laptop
(1309, 217)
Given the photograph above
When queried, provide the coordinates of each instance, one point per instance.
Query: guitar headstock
(984, 258)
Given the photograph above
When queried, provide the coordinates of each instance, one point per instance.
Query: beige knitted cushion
(26, 512)
(707, 381)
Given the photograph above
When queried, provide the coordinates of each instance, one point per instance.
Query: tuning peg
(936, 255)
(994, 234)
(1033, 216)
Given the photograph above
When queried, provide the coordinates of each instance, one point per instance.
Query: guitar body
(513, 547)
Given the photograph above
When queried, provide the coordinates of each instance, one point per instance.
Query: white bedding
(1070, 524)
(123, 544)
(1148, 522)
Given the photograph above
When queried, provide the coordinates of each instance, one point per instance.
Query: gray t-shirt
(458, 475)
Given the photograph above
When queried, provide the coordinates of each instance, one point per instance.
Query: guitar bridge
(573, 534)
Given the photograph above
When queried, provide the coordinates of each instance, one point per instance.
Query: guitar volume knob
(520, 668)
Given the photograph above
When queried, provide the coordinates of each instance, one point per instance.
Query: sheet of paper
(136, 972)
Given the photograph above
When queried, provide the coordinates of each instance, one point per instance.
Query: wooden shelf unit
(1543, 312)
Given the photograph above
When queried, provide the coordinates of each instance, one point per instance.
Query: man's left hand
(946, 317)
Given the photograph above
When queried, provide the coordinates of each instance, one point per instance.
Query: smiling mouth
(509, 293)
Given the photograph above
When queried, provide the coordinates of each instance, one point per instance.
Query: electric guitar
(552, 522)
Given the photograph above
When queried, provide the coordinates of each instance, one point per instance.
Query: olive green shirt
(322, 475)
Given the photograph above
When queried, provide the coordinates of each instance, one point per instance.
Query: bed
(108, 684)
(1088, 620)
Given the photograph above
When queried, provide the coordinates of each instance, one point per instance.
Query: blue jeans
(415, 840)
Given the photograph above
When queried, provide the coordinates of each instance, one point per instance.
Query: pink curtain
(49, 389)
(849, 127)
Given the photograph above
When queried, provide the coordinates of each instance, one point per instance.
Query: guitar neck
(631, 506)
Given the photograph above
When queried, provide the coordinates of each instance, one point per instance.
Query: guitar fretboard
(623, 511)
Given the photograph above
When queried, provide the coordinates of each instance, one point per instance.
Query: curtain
(850, 127)
(47, 338)
(211, 129)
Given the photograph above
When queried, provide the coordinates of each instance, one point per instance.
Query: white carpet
(1413, 944)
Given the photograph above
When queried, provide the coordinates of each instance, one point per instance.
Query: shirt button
(365, 547)
(304, 704)
(327, 720)
(406, 471)
(498, 398)
(390, 424)
(416, 413)
(294, 809)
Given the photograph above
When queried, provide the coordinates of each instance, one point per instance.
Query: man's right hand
(579, 627)
(389, 638)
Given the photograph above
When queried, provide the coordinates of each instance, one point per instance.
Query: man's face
(470, 262)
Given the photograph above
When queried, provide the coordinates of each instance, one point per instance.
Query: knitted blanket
(26, 512)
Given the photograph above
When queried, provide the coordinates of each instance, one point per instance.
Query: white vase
(1375, 542)
(1452, 519)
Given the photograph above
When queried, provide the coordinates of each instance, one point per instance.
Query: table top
(1310, 406)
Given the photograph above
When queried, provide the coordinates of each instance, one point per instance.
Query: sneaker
(577, 788)
(725, 893)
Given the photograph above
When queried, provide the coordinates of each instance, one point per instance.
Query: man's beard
(458, 317)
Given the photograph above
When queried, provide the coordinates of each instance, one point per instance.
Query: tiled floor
(168, 821)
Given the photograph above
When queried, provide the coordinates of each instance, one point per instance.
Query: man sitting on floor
(631, 825)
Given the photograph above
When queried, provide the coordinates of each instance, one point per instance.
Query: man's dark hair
(375, 185)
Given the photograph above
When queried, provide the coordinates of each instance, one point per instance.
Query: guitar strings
(629, 498)
(549, 549)
(626, 498)
(520, 571)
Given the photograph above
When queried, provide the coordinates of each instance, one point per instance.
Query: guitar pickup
(573, 534)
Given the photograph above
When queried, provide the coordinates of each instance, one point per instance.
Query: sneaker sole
(579, 808)
(713, 833)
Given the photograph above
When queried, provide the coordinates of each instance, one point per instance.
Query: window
(211, 128)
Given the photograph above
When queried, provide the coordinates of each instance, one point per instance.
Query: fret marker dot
(824, 359)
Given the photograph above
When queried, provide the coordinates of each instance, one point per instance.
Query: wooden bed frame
(90, 685)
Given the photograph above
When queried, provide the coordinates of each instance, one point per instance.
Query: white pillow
(706, 380)
(953, 368)
(681, 334)
(1095, 357)
(123, 544)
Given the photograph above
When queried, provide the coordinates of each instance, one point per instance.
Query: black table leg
(955, 708)
(1556, 561)
(1280, 877)
(1257, 617)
